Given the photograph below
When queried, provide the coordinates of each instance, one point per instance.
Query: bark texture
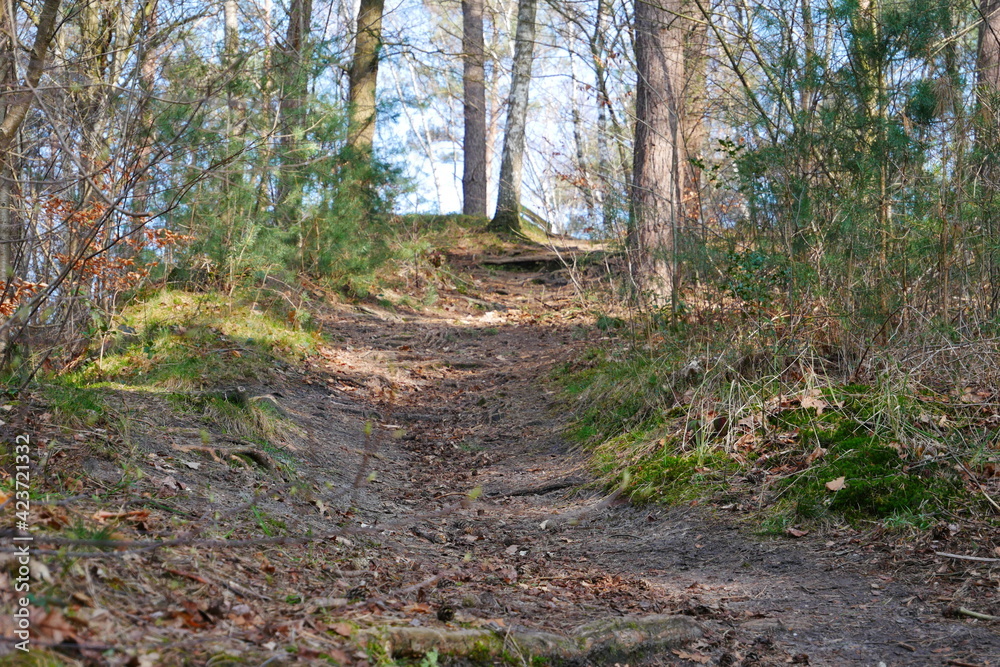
(988, 60)
(363, 76)
(474, 192)
(15, 102)
(507, 217)
(291, 107)
(657, 169)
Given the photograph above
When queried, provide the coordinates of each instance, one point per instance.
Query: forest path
(232, 552)
(466, 386)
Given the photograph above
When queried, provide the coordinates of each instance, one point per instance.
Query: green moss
(36, 657)
(878, 483)
(629, 408)
(183, 340)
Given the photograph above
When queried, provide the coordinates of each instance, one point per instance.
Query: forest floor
(365, 521)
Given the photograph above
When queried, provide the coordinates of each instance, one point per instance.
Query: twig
(982, 489)
(232, 586)
(188, 575)
(975, 614)
(978, 559)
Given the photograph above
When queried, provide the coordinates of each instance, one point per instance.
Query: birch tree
(508, 213)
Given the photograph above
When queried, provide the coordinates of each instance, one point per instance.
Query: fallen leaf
(102, 516)
(813, 399)
(817, 453)
(171, 483)
(795, 532)
(693, 656)
(192, 465)
(836, 484)
(342, 629)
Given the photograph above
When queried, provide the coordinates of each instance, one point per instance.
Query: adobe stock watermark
(22, 541)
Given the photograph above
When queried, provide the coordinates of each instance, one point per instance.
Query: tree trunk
(10, 229)
(474, 84)
(988, 60)
(988, 131)
(583, 170)
(13, 111)
(295, 88)
(231, 54)
(695, 64)
(508, 214)
(363, 77)
(150, 50)
(657, 170)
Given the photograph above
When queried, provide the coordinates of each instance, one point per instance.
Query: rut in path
(468, 389)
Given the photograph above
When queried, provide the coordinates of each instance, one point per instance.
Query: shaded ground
(368, 530)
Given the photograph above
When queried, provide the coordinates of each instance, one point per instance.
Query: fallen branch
(978, 559)
(975, 614)
(542, 490)
(229, 585)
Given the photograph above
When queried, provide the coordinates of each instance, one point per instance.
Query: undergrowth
(786, 427)
(192, 352)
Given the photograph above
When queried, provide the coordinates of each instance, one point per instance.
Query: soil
(345, 531)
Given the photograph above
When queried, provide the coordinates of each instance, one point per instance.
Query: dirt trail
(272, 564)
(467, 388)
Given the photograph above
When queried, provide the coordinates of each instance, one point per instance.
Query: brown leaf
(135, 515)
(817, 453)
(693, 656)
(836, 484)
(795, 532)
(342, 629)
(813, 399)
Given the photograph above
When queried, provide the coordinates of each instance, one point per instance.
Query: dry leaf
(171, 483)
(813, 399)
(836, 484)
(817, 453)
(795, 532)
(342, 629)
(693, 656)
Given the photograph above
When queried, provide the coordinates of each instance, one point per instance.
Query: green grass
(194, 351)
(664, 435)
(184, 340)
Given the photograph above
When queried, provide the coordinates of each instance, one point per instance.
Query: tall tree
(295, 90)
(363, 77)
(508, 214)
(474, 191)
(693, 130)
(988, 133)
(230, 57)
(657, 152)
(15, 102)
(988, 57)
